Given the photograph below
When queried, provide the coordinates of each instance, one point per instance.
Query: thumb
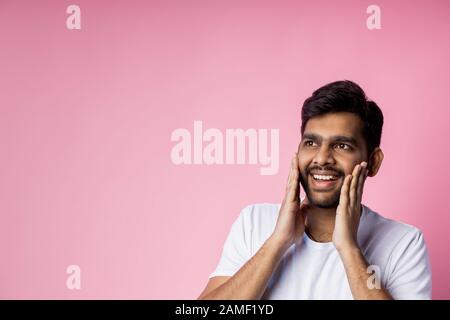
(304, 206)
(305, 202)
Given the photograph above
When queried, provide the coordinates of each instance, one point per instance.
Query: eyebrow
(341, 138)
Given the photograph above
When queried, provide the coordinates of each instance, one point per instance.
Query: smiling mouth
(323, 181)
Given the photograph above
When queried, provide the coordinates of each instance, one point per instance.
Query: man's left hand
(349, 209)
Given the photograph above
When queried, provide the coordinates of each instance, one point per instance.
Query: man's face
(331, 146)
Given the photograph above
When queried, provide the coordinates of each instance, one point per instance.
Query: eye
(343, 146)
(309, 143)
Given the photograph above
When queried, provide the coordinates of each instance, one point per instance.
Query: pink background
(86, 117)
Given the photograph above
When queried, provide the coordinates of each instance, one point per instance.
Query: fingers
(296, 177)
(344, 197)
(356, 188)
(354, 184)
(362, 179)
(290, 175)
(293, 190)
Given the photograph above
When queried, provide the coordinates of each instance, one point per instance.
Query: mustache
(336, 172)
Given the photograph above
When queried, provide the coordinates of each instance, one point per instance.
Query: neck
(320, 223)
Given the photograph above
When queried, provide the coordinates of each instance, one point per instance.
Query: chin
(323, 202)
(326, 205)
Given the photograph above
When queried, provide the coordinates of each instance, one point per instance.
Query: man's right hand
(291, 218)
(251, 280)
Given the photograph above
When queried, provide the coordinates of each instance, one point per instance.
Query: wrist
(349, 250)
(278, 243)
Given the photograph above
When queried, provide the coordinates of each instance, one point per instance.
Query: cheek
(348, 167)
(302, 164)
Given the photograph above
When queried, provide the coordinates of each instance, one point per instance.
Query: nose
(323, 156)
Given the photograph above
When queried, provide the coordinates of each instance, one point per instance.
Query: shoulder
(258, 220)
(379, 229)
(376, 220)
(260, 212)
(263, 208)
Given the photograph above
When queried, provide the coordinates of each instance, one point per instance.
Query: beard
(321, 201)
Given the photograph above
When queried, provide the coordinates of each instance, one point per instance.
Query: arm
(356, 269)
(348, 214)
(251, 280)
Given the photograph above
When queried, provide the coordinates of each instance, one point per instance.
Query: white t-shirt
(314, 270)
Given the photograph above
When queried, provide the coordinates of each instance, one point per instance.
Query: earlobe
(375, 161)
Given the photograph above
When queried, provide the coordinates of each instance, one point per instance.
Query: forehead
(334, 124)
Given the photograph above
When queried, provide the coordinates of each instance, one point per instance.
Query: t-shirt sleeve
(411, 274)
(237, 248)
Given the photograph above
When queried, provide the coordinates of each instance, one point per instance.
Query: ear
(375, 160)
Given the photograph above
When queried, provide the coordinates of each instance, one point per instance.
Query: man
(326, 245)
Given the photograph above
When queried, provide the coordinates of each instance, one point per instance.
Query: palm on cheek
(349, 208)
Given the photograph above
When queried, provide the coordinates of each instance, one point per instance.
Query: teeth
(322, 177)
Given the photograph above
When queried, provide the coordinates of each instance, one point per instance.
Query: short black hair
(346, 96)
